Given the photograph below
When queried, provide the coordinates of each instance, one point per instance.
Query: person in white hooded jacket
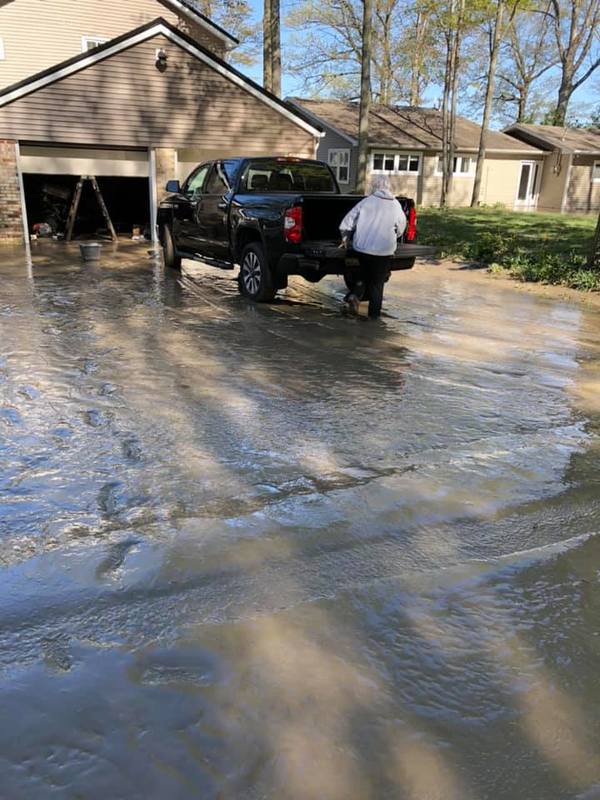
(377, 223)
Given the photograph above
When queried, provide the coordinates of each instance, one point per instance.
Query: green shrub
(490, 247)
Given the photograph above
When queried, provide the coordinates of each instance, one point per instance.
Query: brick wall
(11, 219)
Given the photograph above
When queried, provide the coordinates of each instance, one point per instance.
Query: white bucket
(90, 251)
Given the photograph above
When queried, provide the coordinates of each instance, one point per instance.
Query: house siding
(583, 194)
(333, 141)
(38, 34)
(501, 176)
(78, 161)
(188, 105)
(554, 178)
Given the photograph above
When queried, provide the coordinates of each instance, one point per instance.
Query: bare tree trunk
(267, 47)
(522, 104)
(365, 97)
(564, 95)
(454, 99)
(487, 107)
(386, 77)
(276, 47)
(416, 66)
(445, 119)
(594, 254)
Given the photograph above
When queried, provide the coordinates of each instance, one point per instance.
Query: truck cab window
(217, 183)
(196, 180)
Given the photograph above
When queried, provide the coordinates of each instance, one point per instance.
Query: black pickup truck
(273, 216)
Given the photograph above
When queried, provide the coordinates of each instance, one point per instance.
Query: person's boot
(352, 304)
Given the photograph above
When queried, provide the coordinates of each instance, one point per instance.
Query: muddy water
(269, 552)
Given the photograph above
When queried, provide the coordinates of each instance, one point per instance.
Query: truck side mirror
(173, 187)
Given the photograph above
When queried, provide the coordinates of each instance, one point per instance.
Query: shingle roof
(407, 127)
(554, 137)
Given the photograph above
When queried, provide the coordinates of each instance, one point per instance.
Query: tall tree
(496, 34)
(267, 47)
(272, 46)
(575, 24)
(326, 49)
(451, 20)
(528, 54)
(421, 46)
(365, 97)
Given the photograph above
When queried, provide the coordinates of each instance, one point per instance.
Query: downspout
(153, 195)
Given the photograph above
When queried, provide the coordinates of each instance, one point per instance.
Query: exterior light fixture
(161, 60)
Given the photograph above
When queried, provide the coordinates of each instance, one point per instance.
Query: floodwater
(270, 552)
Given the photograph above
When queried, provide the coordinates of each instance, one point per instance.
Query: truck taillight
(411, 228)
(292, 224)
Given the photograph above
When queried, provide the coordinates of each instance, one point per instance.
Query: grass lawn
(551, 248)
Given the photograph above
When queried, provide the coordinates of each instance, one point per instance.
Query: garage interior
(48, 199)
(50, 177)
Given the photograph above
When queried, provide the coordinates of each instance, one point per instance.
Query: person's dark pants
(374, 271)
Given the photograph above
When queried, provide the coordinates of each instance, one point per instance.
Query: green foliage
(542, 248)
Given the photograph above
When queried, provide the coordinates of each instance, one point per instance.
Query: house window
(339, 161)
(89, 42)
(596, 171)
(1, 49)
(463, 166)
(395, 163)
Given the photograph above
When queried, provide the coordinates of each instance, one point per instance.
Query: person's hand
(343, 244)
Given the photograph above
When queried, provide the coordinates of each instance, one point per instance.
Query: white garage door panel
(69, 161)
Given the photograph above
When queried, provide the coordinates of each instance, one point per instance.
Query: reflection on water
(269, 552)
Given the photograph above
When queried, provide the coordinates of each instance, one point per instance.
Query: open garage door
(50, 175)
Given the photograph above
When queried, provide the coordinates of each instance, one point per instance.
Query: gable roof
(406, 127)
(555, 137)
(158, 26)
(189, 8)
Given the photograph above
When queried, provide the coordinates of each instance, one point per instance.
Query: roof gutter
(216, 30)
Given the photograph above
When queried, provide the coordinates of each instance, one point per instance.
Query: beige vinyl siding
(554, 177)
(124, 101)
(501, 179)
(38, 34)
(583, 194)
(83, 161)
(461, 189)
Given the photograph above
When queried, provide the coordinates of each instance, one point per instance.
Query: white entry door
(528, 188)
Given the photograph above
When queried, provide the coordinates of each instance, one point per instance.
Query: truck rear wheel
(172, 259)
(255, 279)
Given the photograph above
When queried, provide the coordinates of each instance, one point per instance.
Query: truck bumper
(316, 261)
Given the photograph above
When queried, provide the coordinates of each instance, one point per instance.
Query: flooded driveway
(269, 552)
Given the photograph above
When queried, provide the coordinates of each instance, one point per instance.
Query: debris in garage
(48, 198)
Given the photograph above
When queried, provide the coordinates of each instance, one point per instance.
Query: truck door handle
(222, 206)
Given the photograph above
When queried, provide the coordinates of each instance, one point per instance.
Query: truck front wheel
(172, 259)
(256, 280)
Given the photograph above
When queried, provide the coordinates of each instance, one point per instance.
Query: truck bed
(322, 214)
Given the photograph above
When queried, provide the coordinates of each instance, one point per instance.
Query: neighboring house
(570, 180)
(144, 107)
(405, 144)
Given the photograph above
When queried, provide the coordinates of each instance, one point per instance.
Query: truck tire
(172, 259)
(255, 278)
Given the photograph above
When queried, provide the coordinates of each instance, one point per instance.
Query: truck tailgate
(331, 251)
